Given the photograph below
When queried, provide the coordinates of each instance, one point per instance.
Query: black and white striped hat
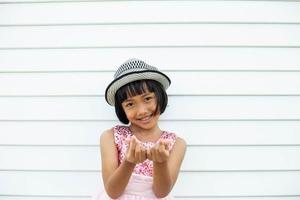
(133, 70)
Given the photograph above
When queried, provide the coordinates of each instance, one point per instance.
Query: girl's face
(140, 110)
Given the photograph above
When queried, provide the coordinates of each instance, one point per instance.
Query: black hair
(137, 88)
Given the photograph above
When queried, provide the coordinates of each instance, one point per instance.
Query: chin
(149, 125)
(145, 126)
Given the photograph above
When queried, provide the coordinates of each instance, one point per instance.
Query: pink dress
(140, 183)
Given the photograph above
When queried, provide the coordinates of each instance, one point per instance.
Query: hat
(133, 70)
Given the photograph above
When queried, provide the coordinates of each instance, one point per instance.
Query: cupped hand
(136, 153)
(160, 152)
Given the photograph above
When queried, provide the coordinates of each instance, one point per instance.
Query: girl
(139, 161)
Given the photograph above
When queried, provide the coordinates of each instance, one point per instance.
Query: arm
(116, 178)
(166, 170)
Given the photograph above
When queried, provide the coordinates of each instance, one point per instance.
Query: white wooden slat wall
(235, 95)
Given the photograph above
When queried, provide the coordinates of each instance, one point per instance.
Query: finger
(137, 153)
(167, 145)
(161, 142)
(149, 155)
(161, 152)
(161, 147)
(130, 145)
(155, 153)
(152, 153)
(143, 154)
(133, 142)
(166, 152)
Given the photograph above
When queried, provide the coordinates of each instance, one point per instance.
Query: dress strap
(170, 136)
(120, 135)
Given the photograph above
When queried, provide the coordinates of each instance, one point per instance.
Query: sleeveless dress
(139, 186)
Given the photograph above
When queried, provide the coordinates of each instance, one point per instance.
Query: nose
(142, 110)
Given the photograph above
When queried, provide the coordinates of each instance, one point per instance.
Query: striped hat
(133, 70)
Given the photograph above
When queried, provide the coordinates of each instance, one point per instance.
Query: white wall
(235, 95)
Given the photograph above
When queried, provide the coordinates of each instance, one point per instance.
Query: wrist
(129, 164)
(160, 164)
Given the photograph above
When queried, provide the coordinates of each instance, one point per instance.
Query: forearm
(162, 181)
(118, 181)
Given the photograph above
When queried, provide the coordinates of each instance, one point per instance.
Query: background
(235, 95)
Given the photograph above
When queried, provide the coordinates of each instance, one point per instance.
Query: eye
(128, 105)
(148, 98)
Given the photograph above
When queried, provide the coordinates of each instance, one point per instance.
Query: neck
(145, 132)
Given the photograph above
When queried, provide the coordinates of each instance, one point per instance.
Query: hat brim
(134, 76)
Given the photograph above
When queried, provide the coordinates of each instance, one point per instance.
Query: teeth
(145, 118)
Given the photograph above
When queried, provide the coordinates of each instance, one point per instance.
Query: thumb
(133, 142)
(168, 146)
(166, 143)
(149, 154)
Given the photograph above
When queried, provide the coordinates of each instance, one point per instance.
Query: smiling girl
(139, 160)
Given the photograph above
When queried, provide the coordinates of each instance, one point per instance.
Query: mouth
(145, 119)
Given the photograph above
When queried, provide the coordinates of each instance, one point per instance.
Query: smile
(146, 119)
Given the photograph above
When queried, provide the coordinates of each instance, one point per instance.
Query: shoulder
(107, 135)
(107, 143)
(175, 140)
(116, 130)
(116, 135)
(178, 152)
(180, 142)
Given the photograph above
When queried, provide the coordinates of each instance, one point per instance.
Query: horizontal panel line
(165, 120)
(142, 47)
(182, 171)
(44, 196)
(76, 1)
(169, 70)
(188, 145)
(176, 196)
(243, 145)
(238, 196)
(170, 95)
(152, 23)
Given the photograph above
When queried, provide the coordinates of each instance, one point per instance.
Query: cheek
(129, 114)
(153, 106)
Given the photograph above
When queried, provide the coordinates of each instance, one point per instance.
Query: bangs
(133, 89)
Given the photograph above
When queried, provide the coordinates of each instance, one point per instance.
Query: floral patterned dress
(140, 184)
